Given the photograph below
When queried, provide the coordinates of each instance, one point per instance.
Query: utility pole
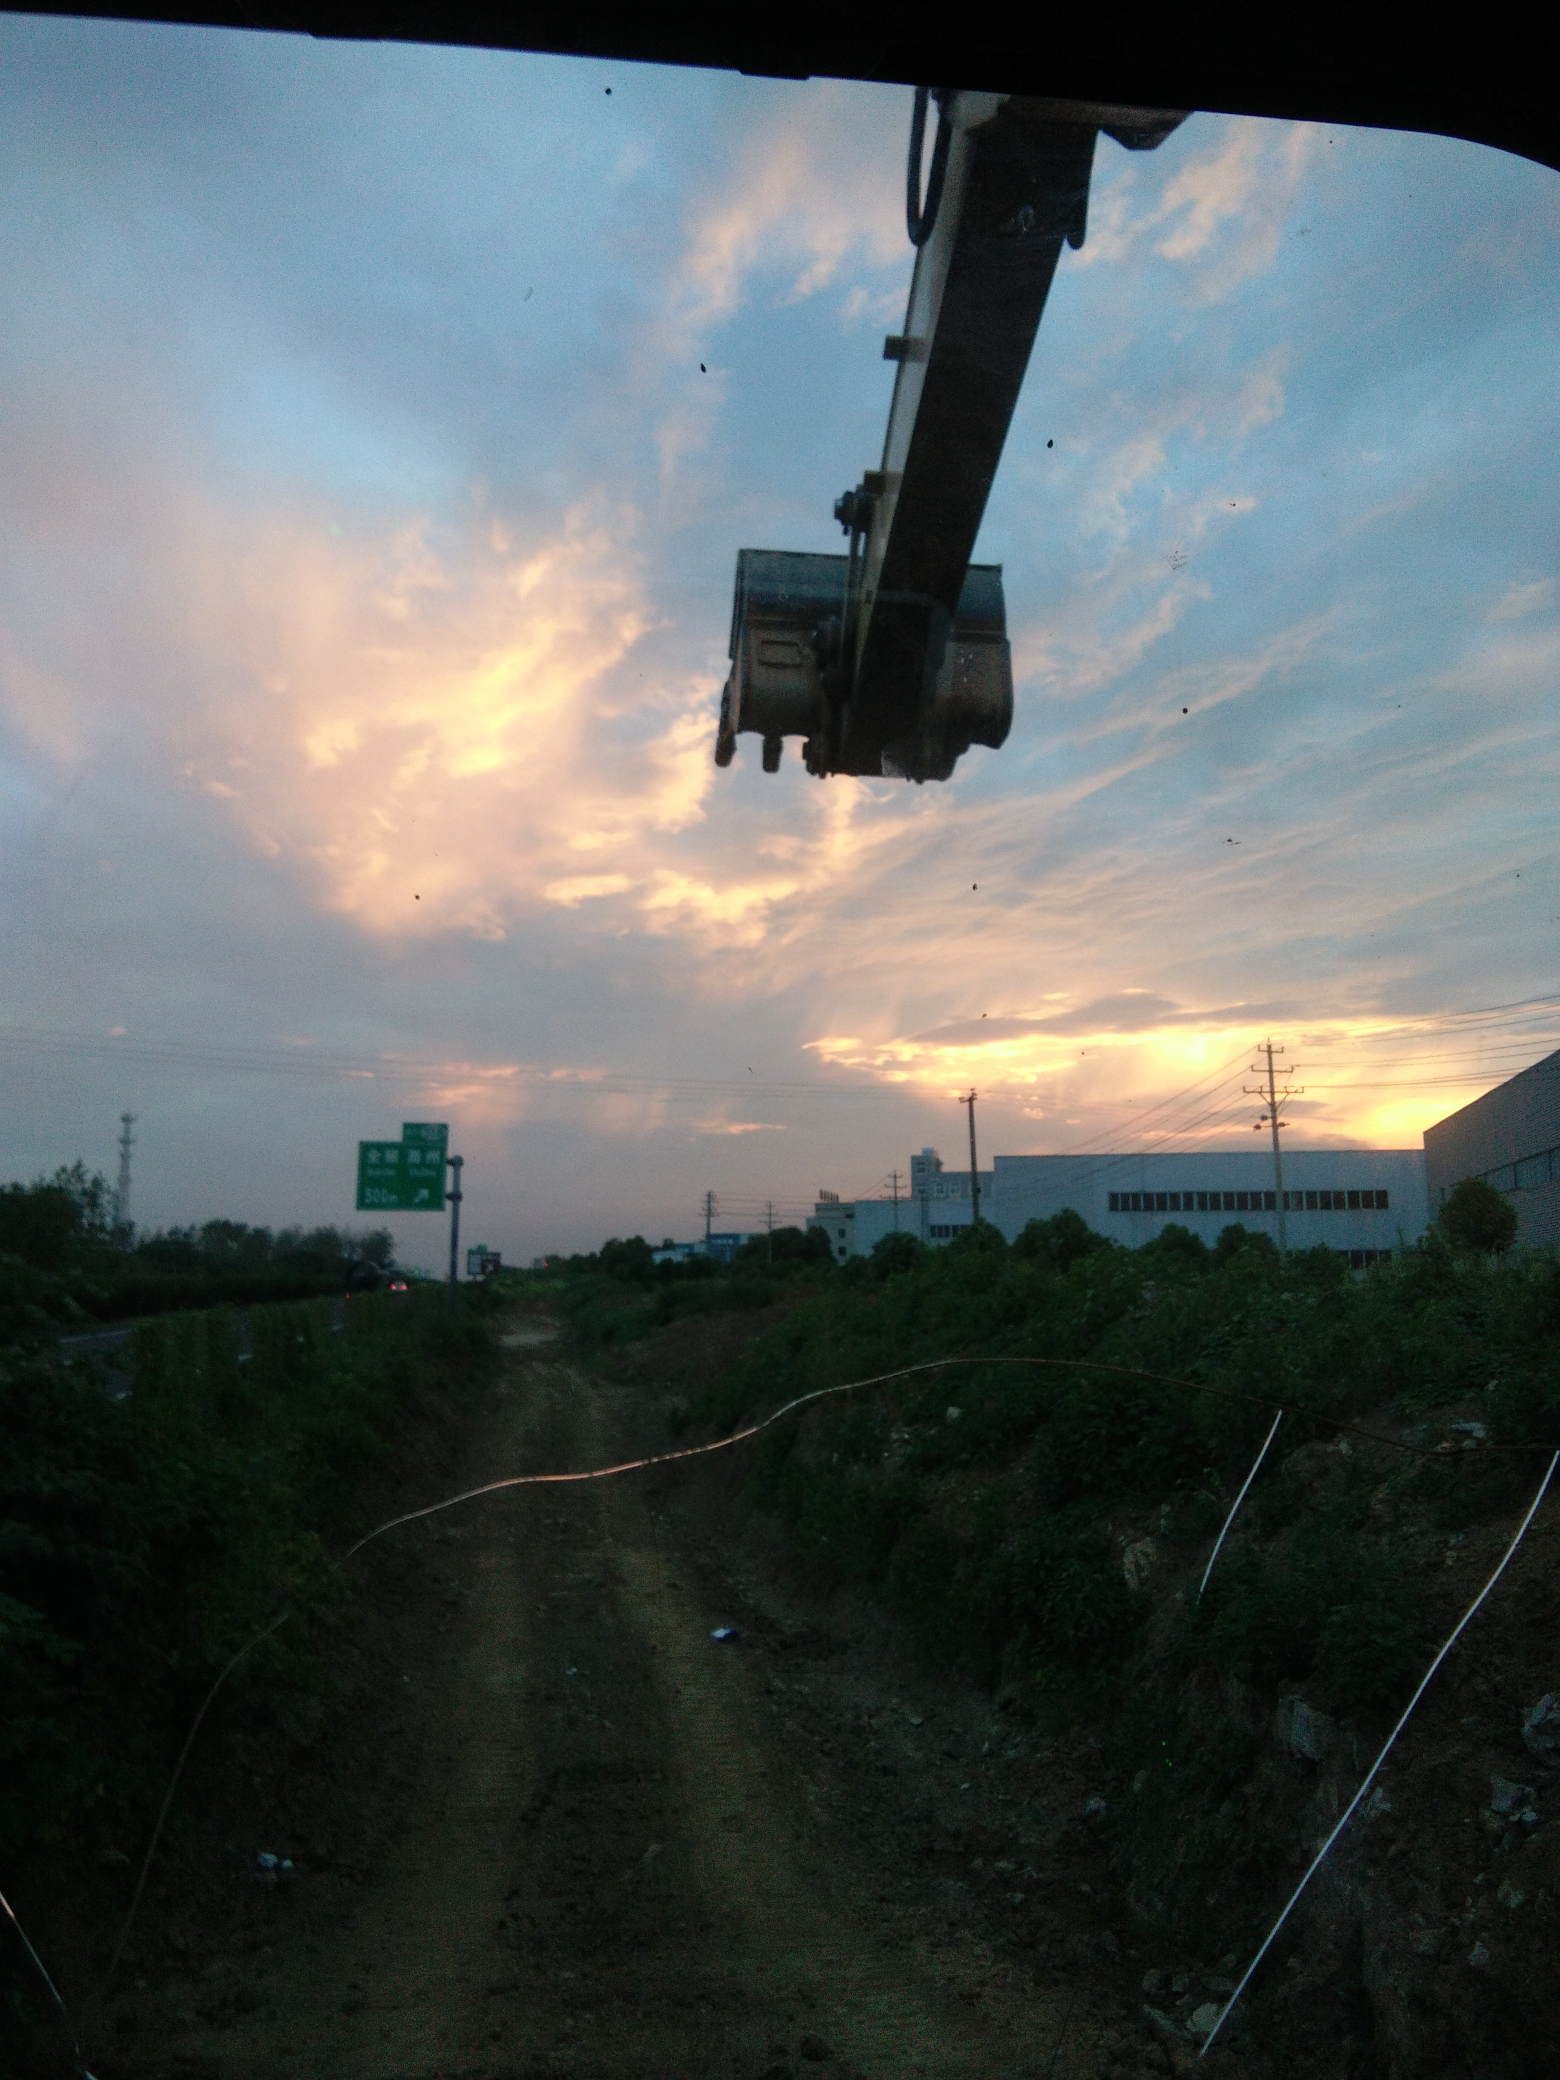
(1271, 1119)
(457, 1163)
(974, 1173)
(893, 1178)
(709, 1217)
(122, 1195)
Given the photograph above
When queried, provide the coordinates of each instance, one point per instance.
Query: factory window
(1336, 1202)
(945, 1234)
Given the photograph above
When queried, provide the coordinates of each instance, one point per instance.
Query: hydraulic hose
(919, 217)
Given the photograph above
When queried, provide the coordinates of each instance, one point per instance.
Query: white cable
(38, 1961)
(1239, 1499)
(1381, 1758)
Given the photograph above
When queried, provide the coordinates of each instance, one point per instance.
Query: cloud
(805, 192)
(1535, 596)
(1219, 215)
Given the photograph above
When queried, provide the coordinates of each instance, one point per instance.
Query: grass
(144, 1539)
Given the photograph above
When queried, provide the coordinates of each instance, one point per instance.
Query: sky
(378, 428)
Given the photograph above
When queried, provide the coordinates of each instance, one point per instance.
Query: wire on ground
(1235, 1505)
(1375, 1767)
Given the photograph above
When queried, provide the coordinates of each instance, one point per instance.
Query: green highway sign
(426, 1133)
(402, 1176)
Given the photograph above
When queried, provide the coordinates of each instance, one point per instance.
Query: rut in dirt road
(614, 1865)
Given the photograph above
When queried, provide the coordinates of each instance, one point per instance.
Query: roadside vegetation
(65, 1264)
(620, 1293)
(1043, 1525)
(155, 1516)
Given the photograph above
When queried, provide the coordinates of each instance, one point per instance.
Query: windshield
(379, 428)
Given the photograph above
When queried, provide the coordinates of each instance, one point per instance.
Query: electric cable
(1375, 1767)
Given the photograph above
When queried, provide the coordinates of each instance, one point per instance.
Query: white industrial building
(1511, 1138)
(1362, 1202)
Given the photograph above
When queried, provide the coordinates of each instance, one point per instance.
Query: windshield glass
(379, 428)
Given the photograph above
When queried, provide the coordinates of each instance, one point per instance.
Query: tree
(1060, 1241)
(1477, 1217)
(1237, 1238)
(897, 1252)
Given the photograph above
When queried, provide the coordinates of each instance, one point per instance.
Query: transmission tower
(893, 1178)
(122, 1194)
(1270, 1118)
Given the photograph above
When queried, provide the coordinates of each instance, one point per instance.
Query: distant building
(1511, 1138)
(1363, 1203)
(721, 1247)
(837, 1218)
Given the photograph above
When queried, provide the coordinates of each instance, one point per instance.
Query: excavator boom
(894, 659)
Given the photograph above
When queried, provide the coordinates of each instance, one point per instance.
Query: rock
(952, 1415)
(1155, 1982)
(1163, 2028)
(1541, 1730)
(1479, 1956)
(1512, 1801)
(1510, 1896)
(1095, 1809)
(815, 2049)
(1202, 2020)
(1137, 1562)
(1301, 1730)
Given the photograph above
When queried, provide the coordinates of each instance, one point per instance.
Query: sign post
(456, 1164)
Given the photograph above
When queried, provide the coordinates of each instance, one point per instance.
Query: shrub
(1477, 1217)
(1059, 1241)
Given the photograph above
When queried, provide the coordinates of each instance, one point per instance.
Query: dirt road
(558, 1829)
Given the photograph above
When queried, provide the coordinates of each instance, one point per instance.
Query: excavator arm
(893, 659)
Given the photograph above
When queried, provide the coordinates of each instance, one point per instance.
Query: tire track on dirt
(608, 1864)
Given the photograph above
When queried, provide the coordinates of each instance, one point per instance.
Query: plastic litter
(724, 1632)
(952, 1415)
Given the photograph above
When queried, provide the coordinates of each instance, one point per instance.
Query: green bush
(1475, 1216)
(144, 1539)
